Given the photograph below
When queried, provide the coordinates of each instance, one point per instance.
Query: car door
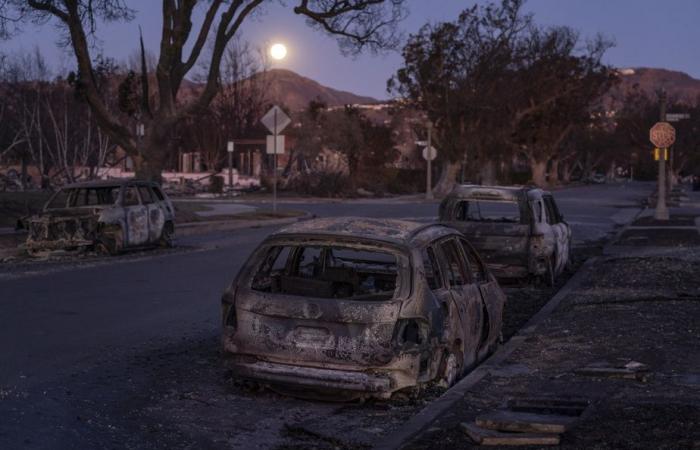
(465, 297)
(136, 217)
(560, 231)
(155, 213)
(541, 227)
(492, 296)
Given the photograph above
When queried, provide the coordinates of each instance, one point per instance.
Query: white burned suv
(109, 216)
(356, 308)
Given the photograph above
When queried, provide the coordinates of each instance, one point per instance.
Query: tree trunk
(566, 172)
(153, 153)
(539, 172)
(554, 172)
(448, 178)
(487, 173)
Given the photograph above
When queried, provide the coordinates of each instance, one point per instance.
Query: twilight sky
(648, 33)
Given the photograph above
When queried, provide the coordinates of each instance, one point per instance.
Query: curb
(430, 413)
(192, 228)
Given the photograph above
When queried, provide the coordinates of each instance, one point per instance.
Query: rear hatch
(313, 331)
(498, 228)
(321, 304)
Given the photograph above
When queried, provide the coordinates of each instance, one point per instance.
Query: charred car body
(106, 215)
(519, 231)
(360, 308)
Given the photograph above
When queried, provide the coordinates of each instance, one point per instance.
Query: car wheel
(167, 236)
(451, 370)
(549, 275)
(110, 243)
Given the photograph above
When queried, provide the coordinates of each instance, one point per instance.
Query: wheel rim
(451, 370)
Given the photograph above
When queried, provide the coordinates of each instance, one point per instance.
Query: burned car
(519, 231)
(357, 308)
(108, 216)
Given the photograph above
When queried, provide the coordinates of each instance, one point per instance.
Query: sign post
(230, 164)
(275, 120)
(429, 154)
(662, 135)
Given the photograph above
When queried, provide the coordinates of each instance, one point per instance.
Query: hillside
(678, 85)
(296, 91)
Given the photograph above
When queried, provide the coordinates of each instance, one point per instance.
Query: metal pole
(661, 212)
(428, 175)
(274, 165)
(230, 165)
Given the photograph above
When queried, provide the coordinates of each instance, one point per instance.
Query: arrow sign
(421, 143)
(275, 120)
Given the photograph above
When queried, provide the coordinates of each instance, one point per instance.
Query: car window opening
(488, 211)
(328, 272)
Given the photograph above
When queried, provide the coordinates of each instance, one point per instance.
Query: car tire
(549, 276)
(451, 370)
(110, 243)
(167, 236)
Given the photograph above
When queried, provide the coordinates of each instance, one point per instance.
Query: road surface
(92, 351)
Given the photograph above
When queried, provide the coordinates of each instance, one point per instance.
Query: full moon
(278, 51)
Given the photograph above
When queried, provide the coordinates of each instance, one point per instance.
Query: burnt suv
(518, 230)
(358, 308)
(105, 215)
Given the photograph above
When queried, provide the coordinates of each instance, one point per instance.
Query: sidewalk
(624, 340)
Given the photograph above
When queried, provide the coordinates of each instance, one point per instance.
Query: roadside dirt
(640, 310)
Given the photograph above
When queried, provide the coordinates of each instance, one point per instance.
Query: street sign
(432, 155)
(230, 147)
(657, 154)
(662, 135)
(677, 117)
(275, 120)
(271, 144)
(421, 143)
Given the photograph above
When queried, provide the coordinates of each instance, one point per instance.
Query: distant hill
(678, 85)
(296, 91)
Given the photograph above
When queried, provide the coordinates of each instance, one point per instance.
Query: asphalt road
(61, 321)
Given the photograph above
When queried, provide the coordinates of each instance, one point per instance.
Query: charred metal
(519, 231)
(360, 307)
(108, 216)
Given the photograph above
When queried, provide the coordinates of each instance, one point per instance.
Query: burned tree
(358, 24)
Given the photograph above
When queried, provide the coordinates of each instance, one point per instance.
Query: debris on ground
(528, 421)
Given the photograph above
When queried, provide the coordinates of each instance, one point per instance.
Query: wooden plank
(483, 436)
(525, 422)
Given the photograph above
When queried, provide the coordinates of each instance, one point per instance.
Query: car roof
(393, 231)
(505, 193)
(109, 183)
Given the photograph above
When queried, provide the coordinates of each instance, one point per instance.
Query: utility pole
(661, 212)
(429, 175)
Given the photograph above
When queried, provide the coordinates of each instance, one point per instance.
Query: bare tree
(358, 24)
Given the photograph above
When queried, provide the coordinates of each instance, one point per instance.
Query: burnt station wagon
(360, 308)
(519, 231)
(105, 215)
